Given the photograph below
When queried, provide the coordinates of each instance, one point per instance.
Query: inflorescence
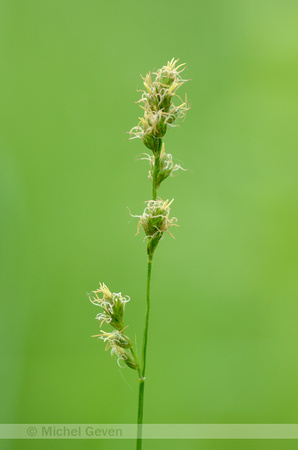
(157, 103)
(160, 112)
(113, 306)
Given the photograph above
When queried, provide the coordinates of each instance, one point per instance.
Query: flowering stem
(142, 377)
(159, 113)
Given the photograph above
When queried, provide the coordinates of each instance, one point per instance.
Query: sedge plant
(160, 111)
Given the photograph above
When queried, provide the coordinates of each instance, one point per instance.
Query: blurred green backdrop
(223, 331)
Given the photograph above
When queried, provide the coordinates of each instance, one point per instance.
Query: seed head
(155, 221)
(156, 101)
(113, 306)
(125, 356)
(119, 344)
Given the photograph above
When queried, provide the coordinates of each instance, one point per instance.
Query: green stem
(142, 372)
(145, 340)
(154, 178)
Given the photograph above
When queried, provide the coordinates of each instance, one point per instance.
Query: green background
(223, 330)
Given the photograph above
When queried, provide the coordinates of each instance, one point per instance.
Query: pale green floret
(113, 306)
(124, 356)
(159, 109)
(115, 338)
(155, 221)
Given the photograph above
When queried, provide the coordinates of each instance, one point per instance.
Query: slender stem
(154, 178)
(147, 316)
(145, 340)
(144, 354)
